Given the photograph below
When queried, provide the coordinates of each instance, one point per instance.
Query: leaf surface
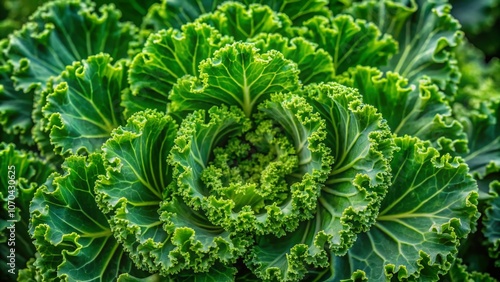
(84, 108)
(72, 235)
(429, 207)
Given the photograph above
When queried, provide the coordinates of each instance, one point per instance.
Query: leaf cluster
(249, 140)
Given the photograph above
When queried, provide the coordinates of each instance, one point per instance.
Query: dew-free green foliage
(249, 141)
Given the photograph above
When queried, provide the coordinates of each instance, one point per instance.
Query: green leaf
(136, 177)
(483, 132)
(361, 146)
(430, 206)
(22, 173)
(237, 75)
(423, 110)
(159, 230)
(350, 42)
(40, 135)
(492, 222)
(315, 64)
(167, 56)
(15, 106)
(459, 272)
(268, 180)
(72, 235)
(47, 44)
(242, 22)
(298, 11)
(194, 147)
(83, 108)
(30, 273)
(175, 13)
(131, 10)
(427, 35)
(479, 81)
(287, 258)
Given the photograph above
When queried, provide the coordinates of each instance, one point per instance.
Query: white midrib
(247, 105)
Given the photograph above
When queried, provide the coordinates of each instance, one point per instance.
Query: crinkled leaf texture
(459, 272)
(72, 236)
(83, 108)
(268, 191)
(315, 64)
(159, 230)
(242, 22)
(238, 74)
(157, 68)
(47, 43)
(492, 222)
(483, 132)
(350, 42)
(22, 173)
(423, 109)
(430, 206)
(175, 13)
(361, 146)
(427, 35)
(270, 30)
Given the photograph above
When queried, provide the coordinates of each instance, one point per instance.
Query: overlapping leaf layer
(277, 140)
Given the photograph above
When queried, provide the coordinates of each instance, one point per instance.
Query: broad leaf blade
(423, 110)
(71, 234)
(241, 22)
(430, 206)
(84, 107)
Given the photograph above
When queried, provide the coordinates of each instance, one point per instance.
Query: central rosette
(251, 175)
(261, 174)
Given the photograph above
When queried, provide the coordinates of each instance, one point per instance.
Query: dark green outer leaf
(460, 273)
(15, 106)
(315, 65)
(46, 45)
(423, 110)
(427, 35)
(26, 171)
(430, 206)
(72, 235)
(483, 131)
(492, 222)
(131, 10)
(175, 13)
(83, 108)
